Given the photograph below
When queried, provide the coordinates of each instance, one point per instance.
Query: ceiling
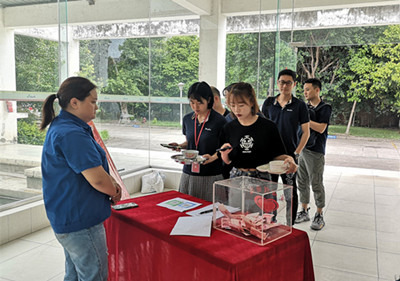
(13, 3)
(41, 12)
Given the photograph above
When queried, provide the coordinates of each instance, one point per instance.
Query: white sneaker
(302, 216)
(318, 222)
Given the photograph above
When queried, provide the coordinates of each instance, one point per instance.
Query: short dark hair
(215, 91)
(201, 90)
(315, 82)
(288, 72)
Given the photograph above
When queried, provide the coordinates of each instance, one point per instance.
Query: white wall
(8, 120)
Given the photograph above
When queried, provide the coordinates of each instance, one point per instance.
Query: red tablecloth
(140, 248)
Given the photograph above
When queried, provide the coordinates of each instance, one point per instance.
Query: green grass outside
(365, 132)
(333, 130)
(165, 124)
(104, 135)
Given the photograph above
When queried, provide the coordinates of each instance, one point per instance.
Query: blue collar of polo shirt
(66, 115)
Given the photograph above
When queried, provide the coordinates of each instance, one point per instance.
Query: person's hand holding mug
(292, 166)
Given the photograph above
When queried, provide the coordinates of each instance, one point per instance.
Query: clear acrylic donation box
(256, 210)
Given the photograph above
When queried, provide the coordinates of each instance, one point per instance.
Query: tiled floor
(37, 256)
(361, 239)
(360, 242)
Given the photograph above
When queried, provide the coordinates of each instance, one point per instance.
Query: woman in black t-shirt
(254, 140)
(202, 129)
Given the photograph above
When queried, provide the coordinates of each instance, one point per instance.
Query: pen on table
(205, 212)
(223, 149)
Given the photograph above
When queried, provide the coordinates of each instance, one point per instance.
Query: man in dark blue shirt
(291, 116)
(217, 106)
(312, 158)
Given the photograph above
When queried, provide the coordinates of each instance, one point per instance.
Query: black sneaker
(318, 222)
(302, 216)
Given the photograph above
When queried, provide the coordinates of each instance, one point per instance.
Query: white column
(73, 55)
(69, 53)
(213, 47)
(63, 71)
(8, 110)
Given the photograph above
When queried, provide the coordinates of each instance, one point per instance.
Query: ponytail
(72, 87)
(48, 111)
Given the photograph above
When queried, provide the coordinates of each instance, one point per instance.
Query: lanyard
(197, 139)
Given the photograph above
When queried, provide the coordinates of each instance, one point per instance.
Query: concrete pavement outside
(133, 147)
(342, 151)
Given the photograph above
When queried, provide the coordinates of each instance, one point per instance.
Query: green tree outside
(368, 74)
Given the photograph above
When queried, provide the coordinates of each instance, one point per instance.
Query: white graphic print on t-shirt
(246, 143)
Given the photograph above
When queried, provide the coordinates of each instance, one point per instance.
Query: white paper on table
(207, 211)
(179, 204)
(193, 226)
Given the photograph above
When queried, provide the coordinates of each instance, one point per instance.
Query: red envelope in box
(270, 205)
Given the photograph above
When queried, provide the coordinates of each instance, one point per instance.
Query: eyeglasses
(288, 83)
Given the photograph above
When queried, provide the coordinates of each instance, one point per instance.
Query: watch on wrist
(296, 155)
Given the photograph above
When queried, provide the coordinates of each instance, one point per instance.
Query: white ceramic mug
(190, 154)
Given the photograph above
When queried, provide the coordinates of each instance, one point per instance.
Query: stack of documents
(199, 224)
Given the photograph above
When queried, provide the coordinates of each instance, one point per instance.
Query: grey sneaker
(318, 222)
(302, 216)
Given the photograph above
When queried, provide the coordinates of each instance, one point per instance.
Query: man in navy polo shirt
(312, 158)
(291, 116)
(217, 106)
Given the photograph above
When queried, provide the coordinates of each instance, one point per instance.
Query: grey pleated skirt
(199, 186)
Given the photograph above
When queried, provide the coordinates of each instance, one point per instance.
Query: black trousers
(289, 179)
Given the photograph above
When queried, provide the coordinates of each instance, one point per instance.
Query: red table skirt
(140, 248)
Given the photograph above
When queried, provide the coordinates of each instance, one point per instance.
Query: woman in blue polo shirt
(77, 188)
(202, 128)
